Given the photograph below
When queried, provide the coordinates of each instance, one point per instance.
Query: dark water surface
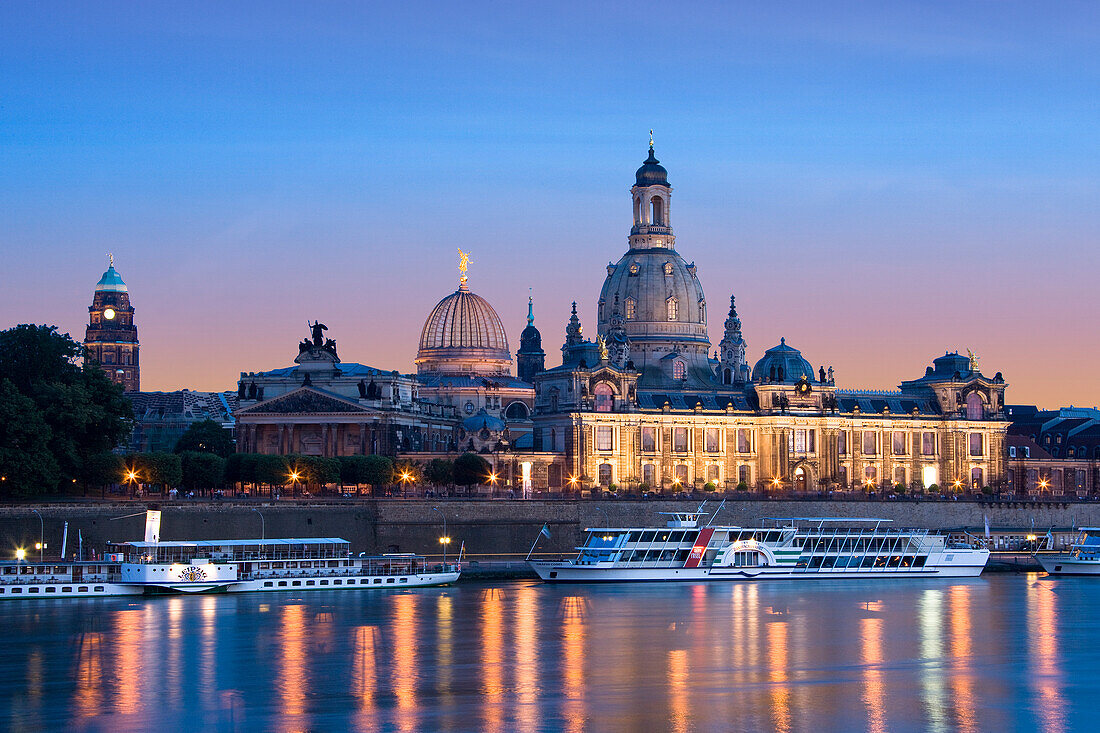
(1003, 652)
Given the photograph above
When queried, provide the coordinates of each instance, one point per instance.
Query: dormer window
(631, 307)
(634, 269)
(679, 369)
(668, 269)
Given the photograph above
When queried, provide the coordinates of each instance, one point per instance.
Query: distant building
(325, 407)
(111, 338)
(647, 403)
(1053, 452)
(161, 418)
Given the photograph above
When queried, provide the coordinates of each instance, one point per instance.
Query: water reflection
(993, 653)
(1042, 611)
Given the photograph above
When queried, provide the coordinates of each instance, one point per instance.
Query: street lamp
(444, 540)
(20, 554)
(41, 536)
(263, 524)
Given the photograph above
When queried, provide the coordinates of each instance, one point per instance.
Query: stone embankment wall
(488, 528)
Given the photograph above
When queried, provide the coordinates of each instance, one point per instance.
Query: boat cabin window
(635, 537)
(648, 536)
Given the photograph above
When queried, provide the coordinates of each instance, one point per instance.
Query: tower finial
(651, 139)
(530, 308)
(110, 259)
(463, 265)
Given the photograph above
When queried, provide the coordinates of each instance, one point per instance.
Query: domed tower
(111, 338)
(660, 298)
(530, 359)
(463, 335)
(732, 368)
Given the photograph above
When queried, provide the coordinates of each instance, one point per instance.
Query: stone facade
(646, 406)
(1053, 453)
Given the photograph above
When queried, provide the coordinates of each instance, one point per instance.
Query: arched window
(668, 269)
(637, 209)
(658, 210)
(605, 474)
(973, 406)
(516, 411)
(727, 376)
(605, 397)
(703, 311)
(631, 306)
(673, 307)
(679, 369)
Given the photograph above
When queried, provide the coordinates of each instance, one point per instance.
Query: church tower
(530, 359)
(111, 339)
(732, 368)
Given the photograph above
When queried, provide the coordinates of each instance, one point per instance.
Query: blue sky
(877, 182)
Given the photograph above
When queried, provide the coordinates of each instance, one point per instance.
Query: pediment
(303, 400)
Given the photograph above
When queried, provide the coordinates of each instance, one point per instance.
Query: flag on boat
(987, 526)
(1048, 541)
(545, 531)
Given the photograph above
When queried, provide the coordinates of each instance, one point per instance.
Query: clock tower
(111, 339)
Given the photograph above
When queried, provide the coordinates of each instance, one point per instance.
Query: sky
(876, 182)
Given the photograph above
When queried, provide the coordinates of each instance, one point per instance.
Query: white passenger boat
(1083, 557)
(789, 548)
(211, 566)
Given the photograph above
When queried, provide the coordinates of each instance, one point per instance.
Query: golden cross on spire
(111, 259)
(463, 265)
(651, 138)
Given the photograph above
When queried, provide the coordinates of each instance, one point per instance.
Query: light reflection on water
(995, 653)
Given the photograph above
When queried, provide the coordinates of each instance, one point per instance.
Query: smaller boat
(1083, 557)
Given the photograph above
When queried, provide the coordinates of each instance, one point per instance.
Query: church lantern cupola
(652, 199)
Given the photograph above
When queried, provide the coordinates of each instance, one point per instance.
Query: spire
(732, 367)
(530, 308)
(573, 330)
(651, 142)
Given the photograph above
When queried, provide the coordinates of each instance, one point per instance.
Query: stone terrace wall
(487, 527)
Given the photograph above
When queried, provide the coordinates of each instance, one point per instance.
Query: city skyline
(876, 189)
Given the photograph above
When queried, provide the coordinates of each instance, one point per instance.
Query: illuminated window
(928, 444)
(702, 311)
(899, 443)
(673, 307)
(744, 440)
(842, 443)
(680, 440)
(976, 444)
(604, 437)
(679, 370)
(712, 440)
(605, 399)
(869, 443)
(634, 269)
(649, 474)
(631, 306)
(668, 269)
(649, 440)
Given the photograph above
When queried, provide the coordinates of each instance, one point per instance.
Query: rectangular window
(811, 440)
(928, 444)
(799, 441)
(712, 440)
(869, 446)
(680, 440)
(976, 444)
(899, 443)
(649, 440)
(842, 443)
(604, 436)
(744, 441)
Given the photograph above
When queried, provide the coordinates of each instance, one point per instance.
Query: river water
(1002, 652)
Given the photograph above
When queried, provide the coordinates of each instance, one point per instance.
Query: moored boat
(1083, 557)
(784, 548)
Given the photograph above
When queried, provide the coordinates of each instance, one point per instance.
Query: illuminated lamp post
(20, 554)
(405, 478)
(573, 483)
(293, 476)
(445, 539)
(131, 477)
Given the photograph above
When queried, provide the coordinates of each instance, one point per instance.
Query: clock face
(469, 407)
(109, 314)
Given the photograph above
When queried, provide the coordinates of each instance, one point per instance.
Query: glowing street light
(445, 539)
(1043, 483)
(493, 479)
(20, 554)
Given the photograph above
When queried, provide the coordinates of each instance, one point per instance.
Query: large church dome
(463, 334)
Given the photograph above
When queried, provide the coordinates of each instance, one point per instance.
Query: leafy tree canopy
(206, 436)
(470, 468)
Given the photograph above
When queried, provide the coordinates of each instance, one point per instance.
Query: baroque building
(1053, 452)
(111, 338)
(646, 404)
(325, 407)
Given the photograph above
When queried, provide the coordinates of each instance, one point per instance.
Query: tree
(470, 468)
(202, 470)
(157, 469)
(440, 472)
(86, 413)
(206, 436)
(102, 469)
(271, 470)
(26, 464)
(379, 470)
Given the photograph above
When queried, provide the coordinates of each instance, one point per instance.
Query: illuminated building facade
(111, 338)
(647, 404)
(1053, 452)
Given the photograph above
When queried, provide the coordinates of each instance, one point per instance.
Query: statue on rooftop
(318, 329)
